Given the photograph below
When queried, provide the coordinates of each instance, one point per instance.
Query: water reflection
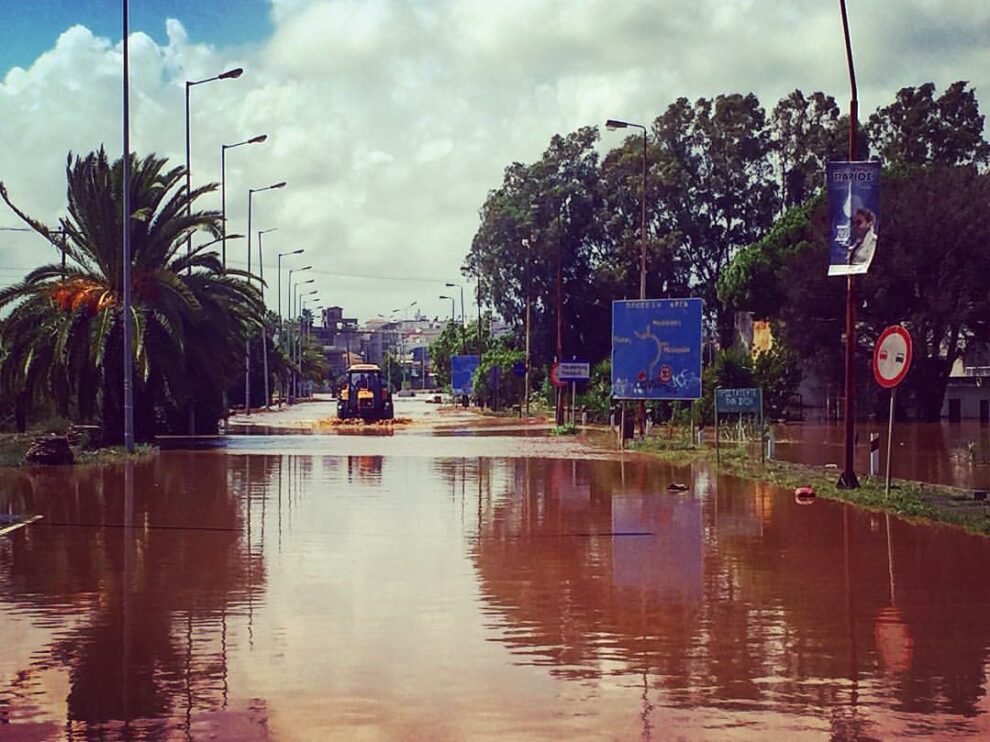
(386, 592)
(732, 596)
(130, 596)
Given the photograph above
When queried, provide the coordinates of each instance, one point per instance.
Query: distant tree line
(736, 215)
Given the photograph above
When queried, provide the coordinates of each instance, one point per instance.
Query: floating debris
(11, 522)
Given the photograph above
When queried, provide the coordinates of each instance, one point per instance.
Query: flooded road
(941, 453)
(463, 580)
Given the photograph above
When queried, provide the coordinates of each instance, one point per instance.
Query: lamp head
(300, 251)
(258, 139)
(278, 185)
(613, 124)
(232, 74)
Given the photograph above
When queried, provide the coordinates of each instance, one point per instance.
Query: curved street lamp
(261, 273)
(190, 84)
(451, 298)
(281, 255)
(612, 125)
(461, 287)
(223, 188)
(264, 335)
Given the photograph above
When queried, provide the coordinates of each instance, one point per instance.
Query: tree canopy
(735, 215)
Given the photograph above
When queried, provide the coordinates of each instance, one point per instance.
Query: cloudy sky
(391, 119)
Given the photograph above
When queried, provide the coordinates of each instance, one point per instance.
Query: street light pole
(264, 342)
(228, 75)
(247, 341)
(126, 209)
(223, 190)
(612, 125)
(281, 255)
(292, 313)
(452, 310)
(848, 479)
(461, 287)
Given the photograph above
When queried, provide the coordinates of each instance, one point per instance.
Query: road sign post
(891, 362)
(740, 401)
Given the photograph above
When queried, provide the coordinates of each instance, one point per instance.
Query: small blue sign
(739, 401)
(656, 349)
(519, 368)
(462, 370)
(854, 213)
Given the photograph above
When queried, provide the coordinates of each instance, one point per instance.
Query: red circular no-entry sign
(892, 356)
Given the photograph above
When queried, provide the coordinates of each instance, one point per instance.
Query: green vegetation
(62, 337)
(735, 215)
(13, 446)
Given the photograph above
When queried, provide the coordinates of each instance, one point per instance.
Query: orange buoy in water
(805, 495)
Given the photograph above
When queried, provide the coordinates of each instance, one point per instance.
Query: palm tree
(63, 335)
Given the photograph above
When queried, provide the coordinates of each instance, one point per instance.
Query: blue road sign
(519, 368)
(656, 349)
(462, 370)
(739, 400)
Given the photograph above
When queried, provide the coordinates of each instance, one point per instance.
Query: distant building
(967, 395)
(340, 338)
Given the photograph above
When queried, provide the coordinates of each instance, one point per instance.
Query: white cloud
(391, 120)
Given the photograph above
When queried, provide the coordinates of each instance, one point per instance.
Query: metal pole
(559, 407)
(188, 179)
(527, 352)
(890, 437)
(642, 249)
(126, 209)
(718, 450)
(848, 479)
(247, 340)
(223, 205)
(641, 412)
(264, 322)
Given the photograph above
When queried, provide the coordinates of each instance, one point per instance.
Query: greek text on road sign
(739, 400)
(573, 370)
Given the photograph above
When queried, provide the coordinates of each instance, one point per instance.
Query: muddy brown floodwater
(479, 583)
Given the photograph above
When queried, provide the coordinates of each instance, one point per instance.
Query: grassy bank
(13, 446)
(932, 502)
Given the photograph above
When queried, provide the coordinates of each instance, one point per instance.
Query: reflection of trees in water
(784, 606)
(189, 568)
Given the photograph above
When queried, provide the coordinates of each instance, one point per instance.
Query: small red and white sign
(892, 356)
(555, 376)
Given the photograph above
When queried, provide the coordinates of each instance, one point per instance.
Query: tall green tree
(932, 274)
(721, 195)
(805, 135)
(920, 129)
(64, 328)
(544, 219)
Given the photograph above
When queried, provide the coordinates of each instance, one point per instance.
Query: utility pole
(848, 479)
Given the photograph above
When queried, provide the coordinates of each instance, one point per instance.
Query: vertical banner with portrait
(854, 215)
